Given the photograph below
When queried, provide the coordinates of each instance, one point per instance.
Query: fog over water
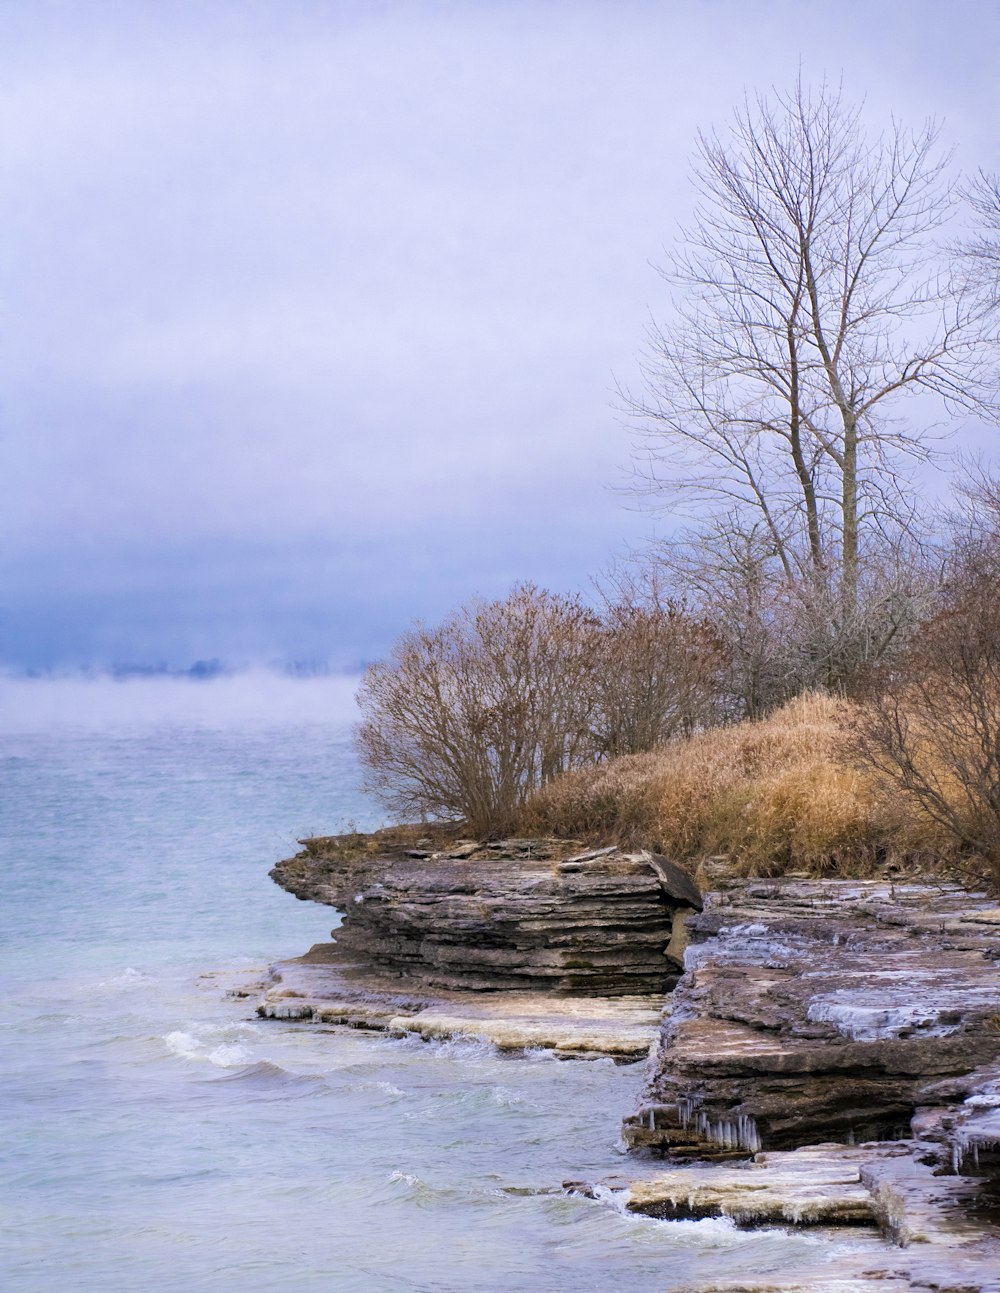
(254, 698)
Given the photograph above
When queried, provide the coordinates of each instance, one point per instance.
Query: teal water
(158, 1137)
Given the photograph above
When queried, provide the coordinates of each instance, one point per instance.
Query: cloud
(305, 278)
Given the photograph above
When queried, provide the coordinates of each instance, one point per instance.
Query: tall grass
(772, 796)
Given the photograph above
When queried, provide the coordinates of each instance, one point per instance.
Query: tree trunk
(849, 572)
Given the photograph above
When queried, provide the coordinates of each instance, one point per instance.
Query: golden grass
(771, 796)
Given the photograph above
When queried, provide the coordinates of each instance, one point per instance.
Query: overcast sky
(311, 313)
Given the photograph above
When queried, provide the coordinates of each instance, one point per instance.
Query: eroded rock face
(828, 1011)
(517, 915)
(833, 1058)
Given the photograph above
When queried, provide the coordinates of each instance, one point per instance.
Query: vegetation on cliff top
(810, 675)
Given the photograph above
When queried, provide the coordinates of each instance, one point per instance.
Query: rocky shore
(538, 914)
(524, 943)
(822, 1053)
(833, 1058)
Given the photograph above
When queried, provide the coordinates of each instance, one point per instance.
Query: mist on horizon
(254, 698)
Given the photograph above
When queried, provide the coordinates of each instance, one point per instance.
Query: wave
(422, 1192)
(190, 1046)
(129, 978)
(463, 1049)
(265, 1075)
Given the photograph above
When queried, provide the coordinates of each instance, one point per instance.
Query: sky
(312, 314)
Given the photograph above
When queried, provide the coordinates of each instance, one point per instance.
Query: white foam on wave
(618, 1200)
(228, 1054)
(461, 1049)
(704, 1234)
(183, 1044)
(470, 1049)
(188, 1046)
(129, 978)
(507, 1099)
(539, 1054)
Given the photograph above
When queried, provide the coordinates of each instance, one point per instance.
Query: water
(159, 1137)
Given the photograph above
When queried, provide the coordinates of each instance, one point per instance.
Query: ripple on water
(265, 1076)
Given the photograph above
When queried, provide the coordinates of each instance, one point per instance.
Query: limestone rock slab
(815, 1011)
(324, 987)
(512, 915)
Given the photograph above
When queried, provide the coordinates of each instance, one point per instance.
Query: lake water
(158, 1137)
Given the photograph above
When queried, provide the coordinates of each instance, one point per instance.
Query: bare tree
(982, 251)
(779, 636)
(811, 297)
(728, 574)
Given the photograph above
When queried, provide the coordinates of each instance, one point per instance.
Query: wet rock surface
(512, 915)
(803, 1188)
(324, 988)
(826, 1011)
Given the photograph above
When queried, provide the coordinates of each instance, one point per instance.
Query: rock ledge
(526, 944)
(511, 915)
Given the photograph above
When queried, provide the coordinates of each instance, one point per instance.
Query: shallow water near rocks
(158, 1136)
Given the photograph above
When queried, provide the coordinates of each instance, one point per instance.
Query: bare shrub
(931, 733)
(466, 720)
(659, 668)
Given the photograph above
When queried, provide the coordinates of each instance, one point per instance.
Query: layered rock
(515, 915)
(803, 1188)
(881, 1184)
(833, 1058)
(522, 943)
(828, 1011)
(937, 1238)
(324, 988)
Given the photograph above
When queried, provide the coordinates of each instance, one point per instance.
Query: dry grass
(772, 796)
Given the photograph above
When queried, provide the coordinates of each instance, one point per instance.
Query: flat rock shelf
(319, 988)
